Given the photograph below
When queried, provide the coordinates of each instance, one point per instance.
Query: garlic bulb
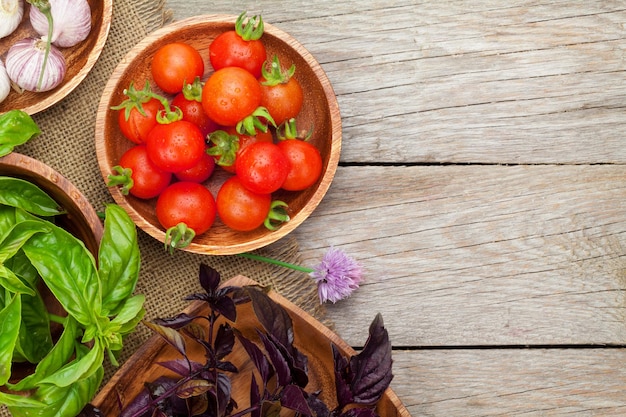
(11, 13)
(71, 21)
(25, 62)
(5, 82)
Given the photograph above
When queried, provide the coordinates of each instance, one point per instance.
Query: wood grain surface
(482, 186)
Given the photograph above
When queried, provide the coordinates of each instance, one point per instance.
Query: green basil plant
(16, 128)
(97, 295)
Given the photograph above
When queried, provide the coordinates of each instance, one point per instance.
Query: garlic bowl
(80, 58)
(320, 111)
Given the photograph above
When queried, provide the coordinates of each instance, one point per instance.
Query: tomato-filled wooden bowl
(79, 59)
(319, 111)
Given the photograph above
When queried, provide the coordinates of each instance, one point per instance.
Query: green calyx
(225, 146)
(251, 30)
(289, 130)
(273, 73)
(136, 99)
(178, 237)
(123, 178)
(277, 215)
(193, 91)
(255, 122)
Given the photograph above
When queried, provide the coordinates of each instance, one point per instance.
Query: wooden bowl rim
(68, 86)
(58, 182)
(265, 239)
(152, 347)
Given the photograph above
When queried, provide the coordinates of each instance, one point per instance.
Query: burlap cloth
(67, 144)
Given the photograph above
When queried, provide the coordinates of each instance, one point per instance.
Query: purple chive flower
(337, 276)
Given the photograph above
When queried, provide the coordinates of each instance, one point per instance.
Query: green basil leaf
(78, 369)
(9, 330)
(130, 309)
(70, 273)
(28, 404)
(16, 128)
(23, 194)
(12, 241)
(118, 259)
(34, 340)
(11, 282)
(54, 401)
(60, 354)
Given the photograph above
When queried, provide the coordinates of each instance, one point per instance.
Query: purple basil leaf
(193, 388)
(171, 336)
(296, 361)
(177, 322)
(283, 373)
(342, 378)
(224, 341)
(372, 366)
(225, 306)
(319, 408)
(224, 400)
(272, 316)
(140, 402)
(360, 412)
(182, 367)
(256, 355)
(293, 397)
(226, 367)
(255, 398)
(209, 279)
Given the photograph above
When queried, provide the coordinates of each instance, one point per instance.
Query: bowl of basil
(67, 282)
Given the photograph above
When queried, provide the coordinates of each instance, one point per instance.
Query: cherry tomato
(137, 126)
(189, 101)
(283, 101)
(229, 145)
(262, 167)
(174, 64)
(199, 172)
(230, 95)
(148, 181)
(305, 162)
(230, 50)
(239, 208)
(186, 202)
(175, 146)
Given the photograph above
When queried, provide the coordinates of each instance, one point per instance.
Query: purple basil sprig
(204, 388)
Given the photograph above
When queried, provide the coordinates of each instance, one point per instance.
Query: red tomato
(174, 64)
(199, 172)
(239, 208)
(305, 161)
(229, 146)
(230, 50)
(148, 180)
(283, 101)
(230, 95)
(137, 126)
(262, 167)
(193, 111)
(186, 202)
(175, 146)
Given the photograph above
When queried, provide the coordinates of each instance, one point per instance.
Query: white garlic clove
(24, 64)
(71, 22)
(11, 13)
(5, 82)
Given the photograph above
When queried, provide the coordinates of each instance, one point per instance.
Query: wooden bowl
(312, 338)
(80, 59)
(81, 219)
(320, 110)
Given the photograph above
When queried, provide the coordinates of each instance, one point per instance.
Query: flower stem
(276, 262)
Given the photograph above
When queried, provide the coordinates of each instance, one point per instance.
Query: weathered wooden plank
(479, 255)
(467, 81)
(508, 382)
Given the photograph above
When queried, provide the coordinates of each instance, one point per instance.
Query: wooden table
(482, 186)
